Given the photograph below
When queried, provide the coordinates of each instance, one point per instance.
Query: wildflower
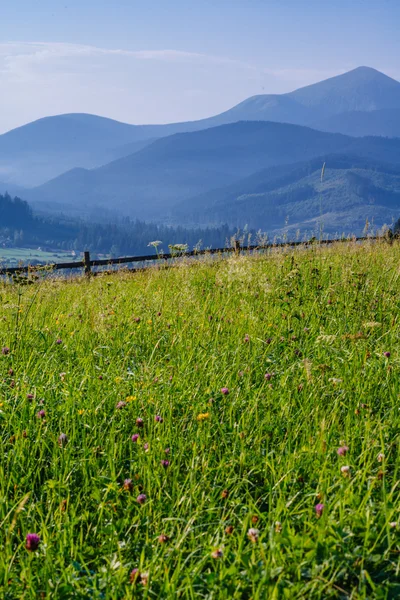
(144, 578)
(137, 319)
(158, 419)
(165, 463)
(387, 354)
(254, 519)
(163, 539)
(59, 341)
(81, 411)
(139, 422)
(32, 541)
(134, 576)
(229, 529)
(101, 377)
(41, 414)
(381, 457)
(319, 509)
(253, 534)
(5, 350)
(268, 340)
(11, 372)
(62, 376)
(135, 437)
(246, 338)
(225, 493)
(30, 396)
(146, 447)
(393, 524)
(141, 498)
(225, 391)
(203, 416)
(278, 527)
(62, 439)
(130, 398)
(342, 451)
(268, 376)
(217, 553)
(120, 404)
(128, 485)
(345, 470)
(167, 450)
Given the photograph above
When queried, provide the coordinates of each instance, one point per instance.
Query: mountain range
(223, 167)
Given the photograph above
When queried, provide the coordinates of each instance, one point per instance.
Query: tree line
(19, 227)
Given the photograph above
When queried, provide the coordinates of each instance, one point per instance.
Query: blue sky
(155, 61)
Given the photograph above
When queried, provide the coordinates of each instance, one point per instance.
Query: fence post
(237, 246)
(86, 262)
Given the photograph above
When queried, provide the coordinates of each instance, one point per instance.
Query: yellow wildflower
(203, 416)
(81, 411)
(118, 379)
(130, 398)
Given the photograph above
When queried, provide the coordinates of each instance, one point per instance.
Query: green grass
(166, 342)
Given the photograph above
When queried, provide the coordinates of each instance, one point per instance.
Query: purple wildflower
(225, 391)
(268, 376)
(342, 451)
(128, 485)
(62, 439)
(139, 422)
(5, 350)
(387, 354)
(30, 396)
(32, 541)
(218, 553)
(134, 576)
(319, 509)
(246, 338)
(167, 450)
(165, 463)
(141, 498)
(158, 419)
(41, 414)
(59, 341)
(145, 446)
(135, 437)
(121, 404)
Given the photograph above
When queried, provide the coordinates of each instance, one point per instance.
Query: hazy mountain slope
(184, 165)
(353, 189)
(385, 122)
(363, 89)
(36, 152)
(40, 150)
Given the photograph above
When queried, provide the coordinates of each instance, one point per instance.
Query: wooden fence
(86, 264)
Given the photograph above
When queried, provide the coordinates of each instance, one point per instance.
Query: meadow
(225, 429)
(13, 257)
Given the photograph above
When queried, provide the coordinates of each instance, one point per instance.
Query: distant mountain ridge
(360, 102)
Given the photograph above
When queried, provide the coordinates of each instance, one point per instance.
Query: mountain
(296, 196)
(384, 122)
(38, 151)
(148, 183)
(360, 102)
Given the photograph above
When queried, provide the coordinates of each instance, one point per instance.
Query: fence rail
(87, 263)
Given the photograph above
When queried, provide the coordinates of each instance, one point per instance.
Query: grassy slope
(272, 444)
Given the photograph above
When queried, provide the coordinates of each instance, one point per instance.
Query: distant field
(11, 256)
(226, 429)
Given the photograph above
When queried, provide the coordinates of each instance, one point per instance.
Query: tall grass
(260, 369)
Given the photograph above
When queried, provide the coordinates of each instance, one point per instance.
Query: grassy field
(15, 256)
(223, 430)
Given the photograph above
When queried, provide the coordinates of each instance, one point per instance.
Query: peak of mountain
(363, 89)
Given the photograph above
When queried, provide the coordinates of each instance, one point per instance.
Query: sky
(162, 61)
